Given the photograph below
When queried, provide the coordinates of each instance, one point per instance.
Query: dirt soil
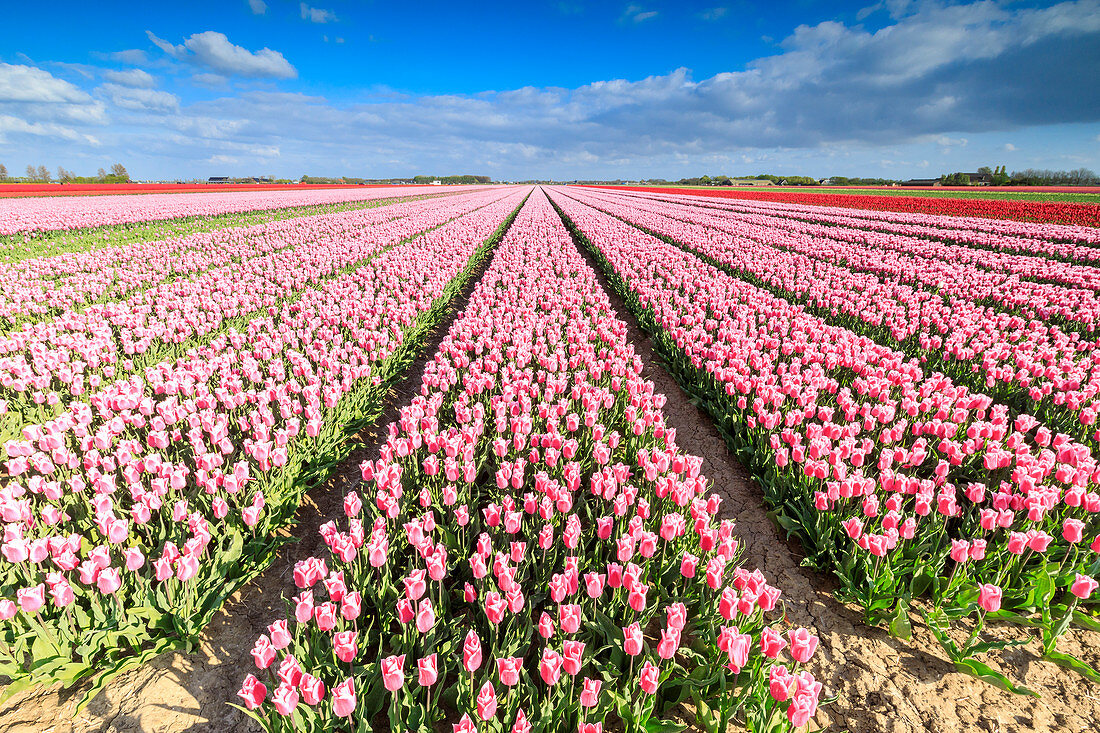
(881, 683)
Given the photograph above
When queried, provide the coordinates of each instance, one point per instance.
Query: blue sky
(550, 89)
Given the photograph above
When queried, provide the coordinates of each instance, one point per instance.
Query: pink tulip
(803, 644)
(989, 597)
(569, 616)
(428, 670)
(670, 642)
(590, 694)
(425, 617)
(550, 666)
(343, 699)
(285, 699)
(263, 652)
(632, 639)
(573, 657)
(1083, 586)
(312, 689)
(345, 644)
(771, 643)
(649, 678)
(508, 669)
(486, 701)
(393, 676)
(280, 635)
(471, 652)
(252, 692)
(108, 581)
(31, 599)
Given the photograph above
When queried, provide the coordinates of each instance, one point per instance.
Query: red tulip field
(523, 459)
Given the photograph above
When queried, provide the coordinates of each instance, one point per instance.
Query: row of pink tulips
(130, 517)
(531, 547)
(1035, 287)
(1034, 366)
(990, 233)
(43, 365)
(28, 215)
(902, 482)
(36, 287)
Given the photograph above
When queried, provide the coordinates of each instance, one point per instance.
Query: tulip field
(531, 549)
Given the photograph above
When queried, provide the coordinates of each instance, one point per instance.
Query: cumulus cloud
(10, 124)
(214, 51)
(831, 84)
(142, 100)
(20, 83)
(258, 7)
(131, 78)
(934, 77)
(317, 15)
(35, 102)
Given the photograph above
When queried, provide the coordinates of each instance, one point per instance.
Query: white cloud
(317, 15)
(10, 124)
(131, 78)
(868, 11)
(178, 52)
(132, 56)
(714, 13)
(258, 7)
(209, 80)
(950, 142)
(30, 84)
(142, 100)
(1010, 148)
(833, 92)
(214, 51)
(637, 14)
(84, 70)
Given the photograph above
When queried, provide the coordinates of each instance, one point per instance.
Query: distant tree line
(724, 180)
(41, 174)
(1043, 177)
(1028, 177)
(846, 181)
(413, 179)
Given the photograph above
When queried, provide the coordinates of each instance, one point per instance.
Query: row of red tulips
(903, 483)
(130, 517)
(531, 547)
